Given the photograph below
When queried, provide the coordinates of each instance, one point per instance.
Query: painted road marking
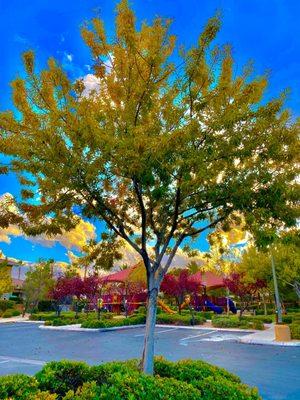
(195, 336)
(3, 362)
(22, 360)
(166, 330)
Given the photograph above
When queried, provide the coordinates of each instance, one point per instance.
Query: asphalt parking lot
(24, 348)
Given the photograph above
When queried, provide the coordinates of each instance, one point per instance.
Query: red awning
(209, 280)
(121, 276)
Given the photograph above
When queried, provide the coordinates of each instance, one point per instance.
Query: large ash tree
(159, 151)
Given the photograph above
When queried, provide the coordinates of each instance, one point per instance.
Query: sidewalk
(266, 337)
(19, 318)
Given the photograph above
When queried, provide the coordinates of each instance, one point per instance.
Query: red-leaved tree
(76, 287)
(179, 286)
(245, 291)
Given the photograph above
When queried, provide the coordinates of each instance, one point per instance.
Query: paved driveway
(274, 370)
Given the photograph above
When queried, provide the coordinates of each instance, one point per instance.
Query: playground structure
(125, 291)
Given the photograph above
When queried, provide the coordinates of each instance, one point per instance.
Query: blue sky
(266, 31)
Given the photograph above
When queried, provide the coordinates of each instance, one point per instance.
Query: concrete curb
(13, 319)
(28, 321)
(77, 328)
(270, 342)
(266, 337)
(199, 327)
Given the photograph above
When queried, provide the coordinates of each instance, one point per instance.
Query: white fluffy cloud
(76, 238)
(181, 259)
(91, 83)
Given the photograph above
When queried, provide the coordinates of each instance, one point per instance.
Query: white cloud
(91, 83)
(76, 238)
(181, 259)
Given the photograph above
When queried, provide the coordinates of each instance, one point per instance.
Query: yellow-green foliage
(158, 151)
(5, 279)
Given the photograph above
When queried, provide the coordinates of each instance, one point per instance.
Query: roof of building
(209, 279)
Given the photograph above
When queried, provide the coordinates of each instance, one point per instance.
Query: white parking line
(166, 330)
(3, 362)
(22, 360)
(195, 336)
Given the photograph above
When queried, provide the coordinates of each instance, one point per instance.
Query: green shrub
(159, 310)
(229, 322)
(287, 319)
(184, 380)
(207, 314)
(259, 325)
(10, 313)
(94, 324)
(6, 304)
(295, 330)
(266, 319)
(136, 319)
(191, 370)
(43, 316)
(102, 373)
(44, 396)
(214, 383)
(213, 388)
(88, 391)
(176, 319)
(141, 310)
(17, 386)
(46, 305)
(65, 321)
(293, 310)
(61, 376)
(136, 386)
(296, 317)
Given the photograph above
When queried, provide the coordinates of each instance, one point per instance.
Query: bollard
(282, 333)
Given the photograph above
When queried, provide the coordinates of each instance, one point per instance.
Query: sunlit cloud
(76, 238)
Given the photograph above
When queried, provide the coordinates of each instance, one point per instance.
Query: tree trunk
(148, 352)
(264, 304)
(296, 287)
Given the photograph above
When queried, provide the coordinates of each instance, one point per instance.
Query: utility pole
(277, 298)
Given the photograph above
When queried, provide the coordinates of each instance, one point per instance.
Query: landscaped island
(110, 320)
(183, 380)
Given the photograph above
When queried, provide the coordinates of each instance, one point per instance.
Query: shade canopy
(137, 273)
(208, 279)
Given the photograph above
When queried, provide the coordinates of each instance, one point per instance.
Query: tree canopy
(256, 263)
(6, 284)
(38, 282)
(165, 145)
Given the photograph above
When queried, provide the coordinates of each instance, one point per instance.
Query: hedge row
(176, 319)
(108, 323)
(10, 313)
(235, 322)
(69, 316)
(184, 380)
(295, 330)
(6, 304)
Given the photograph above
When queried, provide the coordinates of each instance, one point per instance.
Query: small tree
(245, 291)
(179, 286)
(79, 289)
(159, 152)
(6, 284)
(38, 282)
